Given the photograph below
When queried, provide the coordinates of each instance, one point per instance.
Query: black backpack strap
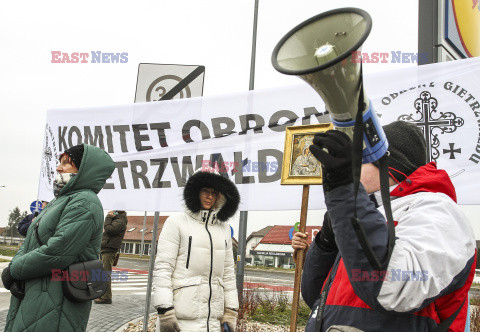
(378, 263)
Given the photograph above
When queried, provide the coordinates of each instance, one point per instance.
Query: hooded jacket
(70, 227)
(194, 269)
(429, 272)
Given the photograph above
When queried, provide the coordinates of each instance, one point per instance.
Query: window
(146, 249)
(269, 261)
(131, 229)
(127, 248)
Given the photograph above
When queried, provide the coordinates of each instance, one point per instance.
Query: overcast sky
(214, 33)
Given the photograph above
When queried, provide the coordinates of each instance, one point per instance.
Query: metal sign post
(157, 82)
(242, 233)
(150, 270)
(142, 246)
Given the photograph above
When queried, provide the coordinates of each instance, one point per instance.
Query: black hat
(407, 147)
(76, 154)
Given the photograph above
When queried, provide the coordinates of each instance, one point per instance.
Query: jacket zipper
(189, 248)
(211, 270)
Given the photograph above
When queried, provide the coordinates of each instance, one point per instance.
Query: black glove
(337, 163)
(325, 239)
(7, 278)
(18, 289)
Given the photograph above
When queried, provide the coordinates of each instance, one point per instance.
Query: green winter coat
(71, 229)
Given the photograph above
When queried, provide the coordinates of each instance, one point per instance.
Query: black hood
(221, 184)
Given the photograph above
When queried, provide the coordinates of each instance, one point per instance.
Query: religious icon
(299, 165)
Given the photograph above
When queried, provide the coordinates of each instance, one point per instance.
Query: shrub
(475, 300)
(8, 251)
(273, 309)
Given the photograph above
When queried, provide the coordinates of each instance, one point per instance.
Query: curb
(135, 321)
(124, 326)
(269, 270)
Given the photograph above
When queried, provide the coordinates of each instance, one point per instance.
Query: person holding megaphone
(424, 283)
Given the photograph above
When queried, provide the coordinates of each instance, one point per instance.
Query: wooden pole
(300, 259)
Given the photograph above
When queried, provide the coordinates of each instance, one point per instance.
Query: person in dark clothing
(25, 223)
(114, 230)
(425, 281)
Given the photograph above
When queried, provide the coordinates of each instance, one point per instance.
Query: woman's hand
(7, 278)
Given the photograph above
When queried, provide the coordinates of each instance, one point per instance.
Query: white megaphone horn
(320, 51)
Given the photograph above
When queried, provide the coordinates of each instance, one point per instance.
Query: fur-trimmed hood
(227, 201)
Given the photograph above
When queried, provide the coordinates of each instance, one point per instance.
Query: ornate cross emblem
(432, 122)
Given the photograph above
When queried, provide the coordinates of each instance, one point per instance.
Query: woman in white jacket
(194, 281)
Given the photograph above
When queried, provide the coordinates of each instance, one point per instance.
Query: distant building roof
(135, 226)
(280, 234)
(260, 233)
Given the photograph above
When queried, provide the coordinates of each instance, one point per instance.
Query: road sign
(36, 206)
(290, 234)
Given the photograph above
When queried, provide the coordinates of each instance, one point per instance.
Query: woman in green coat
(71, 229)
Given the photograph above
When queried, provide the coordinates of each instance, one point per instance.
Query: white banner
(156, 145)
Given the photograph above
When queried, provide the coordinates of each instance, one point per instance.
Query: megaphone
(320, 52)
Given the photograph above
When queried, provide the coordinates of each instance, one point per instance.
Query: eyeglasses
(208, 192)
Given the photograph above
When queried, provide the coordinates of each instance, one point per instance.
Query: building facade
(275, 248)
(132, 241)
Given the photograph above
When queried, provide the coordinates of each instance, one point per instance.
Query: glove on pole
(337, 162)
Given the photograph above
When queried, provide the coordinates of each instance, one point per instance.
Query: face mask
(60, 181)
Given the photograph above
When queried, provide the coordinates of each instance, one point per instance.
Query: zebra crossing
(131, 281)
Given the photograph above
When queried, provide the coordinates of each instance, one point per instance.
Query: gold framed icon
(299, 166)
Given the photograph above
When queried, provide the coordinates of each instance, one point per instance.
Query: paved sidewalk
(107, 317)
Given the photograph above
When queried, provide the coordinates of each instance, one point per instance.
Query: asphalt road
(278, 276)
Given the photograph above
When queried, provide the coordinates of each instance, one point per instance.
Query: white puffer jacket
(194, 268)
